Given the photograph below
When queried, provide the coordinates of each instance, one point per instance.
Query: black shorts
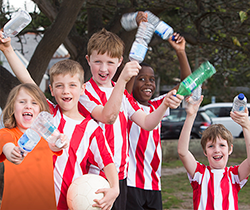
(120, 202)
(139, 199)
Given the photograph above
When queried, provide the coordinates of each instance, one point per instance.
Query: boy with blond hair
(215, 186)
(108, 102)
(87, 143)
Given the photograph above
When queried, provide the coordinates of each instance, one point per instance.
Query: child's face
(217, 153)
(26, 110)
(67, 90)
(144, 85)
(103, 68)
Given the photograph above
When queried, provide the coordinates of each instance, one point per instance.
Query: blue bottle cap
(173, 38)
(241, 96)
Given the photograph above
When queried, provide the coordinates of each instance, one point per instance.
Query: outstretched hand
(192, 108)
(172, 100)
(241, 118)
(178, 43)
(4, 43)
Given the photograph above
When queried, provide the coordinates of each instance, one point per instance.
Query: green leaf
(243, 16)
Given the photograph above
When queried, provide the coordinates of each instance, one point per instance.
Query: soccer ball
(81, 192)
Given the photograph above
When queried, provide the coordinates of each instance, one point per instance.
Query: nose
(65, 89)
(103, 67)
(28, 105)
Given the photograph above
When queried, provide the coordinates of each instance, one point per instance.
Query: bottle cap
(241, 96)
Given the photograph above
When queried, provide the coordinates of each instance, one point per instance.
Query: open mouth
(103, 76)
(66, 99)
(217, 157)
(27, 115)
(147, 91)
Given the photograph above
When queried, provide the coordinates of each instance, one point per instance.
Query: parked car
(221, 115)
(172, 124)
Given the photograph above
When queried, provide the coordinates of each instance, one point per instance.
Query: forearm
(112, 107)
(17, 66)
(183, 142)
(7, 148)
(185, 69)
(112, 176)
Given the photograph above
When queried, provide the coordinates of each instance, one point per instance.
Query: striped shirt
(116, 134)
(145, 154)
(216, 188)
(87, 146)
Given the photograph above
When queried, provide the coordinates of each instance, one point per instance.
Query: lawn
(177, 191)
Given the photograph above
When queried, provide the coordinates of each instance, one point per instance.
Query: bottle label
(239, 106)
(137, 52)
(190, 84)
(26, 144)
(163, 30)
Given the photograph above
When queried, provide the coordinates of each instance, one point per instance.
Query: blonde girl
(28, 181)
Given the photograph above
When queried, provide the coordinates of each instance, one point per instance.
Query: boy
(145, 154)
(87, 143)
(215, 186)
(105, 51)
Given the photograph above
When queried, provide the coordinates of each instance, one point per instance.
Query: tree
(212, 29)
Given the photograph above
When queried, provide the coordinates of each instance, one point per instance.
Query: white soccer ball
(81, 192)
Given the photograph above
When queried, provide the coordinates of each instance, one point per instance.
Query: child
(28, 181)
(145, 154)
(110, 103)
(87, 142)
(215, 186)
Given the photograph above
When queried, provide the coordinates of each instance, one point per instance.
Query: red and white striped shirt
(216, 188)
(116, 134)
(87, 146)
(145, 154)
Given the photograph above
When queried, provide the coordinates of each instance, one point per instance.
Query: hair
(214, 131)
(34, 91)
(106, 41)
(64, 67)
(145, 64)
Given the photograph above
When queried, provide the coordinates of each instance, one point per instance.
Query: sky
(20, 4)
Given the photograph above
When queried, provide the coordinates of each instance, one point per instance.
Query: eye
(152, 80)
(142, 79)
(21, 102)
(34, 102)
(58, 86)
(222, 145)
(73, 85)
(210, 146)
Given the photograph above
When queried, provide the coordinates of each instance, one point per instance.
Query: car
(221, 115)
(172, 124)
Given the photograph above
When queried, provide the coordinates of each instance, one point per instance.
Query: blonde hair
(67, 66)
(214, 131)
(34, 91)
(106, 41)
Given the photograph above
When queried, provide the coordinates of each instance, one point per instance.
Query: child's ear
(51, 90)
(87, 58)
(120, 61)
(231, 150)
(205, 153)
(83, 88)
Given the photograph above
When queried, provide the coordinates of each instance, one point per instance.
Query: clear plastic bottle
(18, 22)
(128, 21)
(239, 103)
(196, 95)
(190, 83)
(28, 140)
(142, 38)
(44, 126)
(161, 28)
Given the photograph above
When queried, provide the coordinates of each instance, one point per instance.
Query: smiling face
(103, 68)
(26, 109)
(67, 90)
(217, 153)
(144, 85)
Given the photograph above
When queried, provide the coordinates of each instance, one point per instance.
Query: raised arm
(150, 121)
(179, 46)
(15, 63)
(107, 114)
(243, 120)
(185, 155)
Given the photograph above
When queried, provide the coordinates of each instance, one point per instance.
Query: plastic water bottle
(44, 126)
(18, 22)
(196, 95)
(161, 28)
(239, 103)
(28, 140)
(142, 38)
(190, 83)
(128, 21)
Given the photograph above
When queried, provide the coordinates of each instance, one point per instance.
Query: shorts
(140, 199)
(120, 202)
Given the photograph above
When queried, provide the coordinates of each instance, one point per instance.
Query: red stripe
(210, 192)
(224, 186)
(155, 164)
(139, 156)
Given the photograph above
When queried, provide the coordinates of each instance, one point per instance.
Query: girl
(28, 182)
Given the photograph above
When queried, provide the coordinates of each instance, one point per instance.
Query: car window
(210, 114)
(176, 115)
(225, 111)
(215, 110)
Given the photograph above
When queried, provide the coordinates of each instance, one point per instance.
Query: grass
(177, 191)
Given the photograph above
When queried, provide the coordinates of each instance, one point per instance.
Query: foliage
(217, 31)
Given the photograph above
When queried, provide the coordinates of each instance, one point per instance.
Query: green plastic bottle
(190, 83)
